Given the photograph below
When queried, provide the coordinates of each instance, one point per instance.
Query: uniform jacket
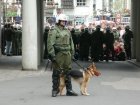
(60, 40)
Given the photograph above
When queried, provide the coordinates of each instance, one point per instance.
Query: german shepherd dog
(80, 76)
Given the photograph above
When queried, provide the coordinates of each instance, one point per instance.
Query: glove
(73, 59)
(52, 58)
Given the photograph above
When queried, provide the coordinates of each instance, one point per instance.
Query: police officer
(128, 35)
(61, 50)
(97, 44)
(109, 42)
(84, 45)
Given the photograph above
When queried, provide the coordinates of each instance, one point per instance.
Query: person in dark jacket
(17, 41)
(45, 37)
(84, 45)
(76, 43)
(97, 44)
(3, 42)
(8, 32)
(127, 36)
(109, 42)
(74, 38)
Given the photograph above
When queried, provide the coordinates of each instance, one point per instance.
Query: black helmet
(127, 27)
(72, 30)
(108, 29)
(98, 26)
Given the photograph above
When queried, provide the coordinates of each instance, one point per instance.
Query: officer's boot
(70, 92)
(55, 81)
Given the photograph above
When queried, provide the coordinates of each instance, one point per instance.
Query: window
(79, 20)
(18, 0)
(81, 2)
(67, 4)
(49, 0)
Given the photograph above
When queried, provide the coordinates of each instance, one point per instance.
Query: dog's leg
(61, 85)
(82, 86)
(85, 89)
(61, 90)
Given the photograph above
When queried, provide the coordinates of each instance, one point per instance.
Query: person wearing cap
(61, 52)
(127, 36)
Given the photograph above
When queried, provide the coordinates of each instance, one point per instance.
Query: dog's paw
(87, 94)
(62, 94)
(83, 93)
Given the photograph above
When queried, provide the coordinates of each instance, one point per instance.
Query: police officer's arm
(50, 42)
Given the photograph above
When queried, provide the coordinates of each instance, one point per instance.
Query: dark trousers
(127, 47)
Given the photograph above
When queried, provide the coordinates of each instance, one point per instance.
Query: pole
(3, 13)
(0, 29)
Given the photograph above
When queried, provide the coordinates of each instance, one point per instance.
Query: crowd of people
(98, 44)
(11, 43)
(104, 45)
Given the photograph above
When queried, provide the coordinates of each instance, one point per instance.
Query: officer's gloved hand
(52, 58)
(73, 59)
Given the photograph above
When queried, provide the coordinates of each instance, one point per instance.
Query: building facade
(78, 11)
(11, 10)
(85, 11)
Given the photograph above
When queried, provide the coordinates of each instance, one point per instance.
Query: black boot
(70, 92)
(55, 81)
(54, 93)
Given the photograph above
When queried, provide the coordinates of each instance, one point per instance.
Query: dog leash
(79, 65)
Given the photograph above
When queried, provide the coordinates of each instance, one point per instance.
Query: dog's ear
(93, 63)
(89, 72)
(92, 72)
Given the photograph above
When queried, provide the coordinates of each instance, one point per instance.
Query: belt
(62, 48)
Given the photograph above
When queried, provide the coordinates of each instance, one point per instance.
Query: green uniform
(60, 45)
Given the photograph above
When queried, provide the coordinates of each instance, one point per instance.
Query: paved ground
(119, 84)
